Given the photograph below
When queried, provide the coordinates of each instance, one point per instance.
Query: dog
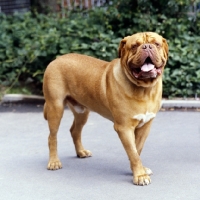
(127, 91)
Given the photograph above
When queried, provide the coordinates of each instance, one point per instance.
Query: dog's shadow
(94, 166)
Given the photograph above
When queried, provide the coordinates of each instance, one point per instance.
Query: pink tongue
(147, 67)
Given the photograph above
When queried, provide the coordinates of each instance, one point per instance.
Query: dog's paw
(84, 153)
(142, 180)
(54, 165)
(148, 171)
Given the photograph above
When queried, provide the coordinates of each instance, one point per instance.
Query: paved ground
(172, 151)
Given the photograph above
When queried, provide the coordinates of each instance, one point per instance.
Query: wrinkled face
(143, 57)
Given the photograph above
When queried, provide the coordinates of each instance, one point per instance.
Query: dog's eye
(157, 44)
(133, 46)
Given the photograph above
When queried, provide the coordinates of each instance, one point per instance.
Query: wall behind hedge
(28, 42)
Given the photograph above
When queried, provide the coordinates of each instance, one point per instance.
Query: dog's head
(143, 57)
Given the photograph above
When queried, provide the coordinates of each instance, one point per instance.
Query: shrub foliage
(29, 41)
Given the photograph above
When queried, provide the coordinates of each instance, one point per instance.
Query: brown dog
(127, 91)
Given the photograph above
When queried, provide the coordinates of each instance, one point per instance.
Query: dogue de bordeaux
(127, 91)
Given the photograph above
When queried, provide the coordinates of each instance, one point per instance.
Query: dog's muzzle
(148, 68)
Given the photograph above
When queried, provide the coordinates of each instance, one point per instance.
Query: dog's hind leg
(53, 112)
(80, 118)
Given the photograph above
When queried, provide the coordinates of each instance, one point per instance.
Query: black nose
(147, 46)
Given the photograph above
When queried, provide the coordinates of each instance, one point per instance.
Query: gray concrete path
(172, 151)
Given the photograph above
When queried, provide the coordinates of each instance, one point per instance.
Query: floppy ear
(121, 46)
(166, 48)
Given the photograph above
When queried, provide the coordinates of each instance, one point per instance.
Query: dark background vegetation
(29, 41)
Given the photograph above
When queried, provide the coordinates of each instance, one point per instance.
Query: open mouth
(147, 70)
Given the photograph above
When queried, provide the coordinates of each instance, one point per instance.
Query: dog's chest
(144, 118)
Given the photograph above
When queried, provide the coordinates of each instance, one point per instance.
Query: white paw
(142, 180)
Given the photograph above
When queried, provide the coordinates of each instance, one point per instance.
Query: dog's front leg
(141, 135)
(127, 137)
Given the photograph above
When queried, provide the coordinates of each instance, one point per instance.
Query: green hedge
(28, 42)
(182, 74)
